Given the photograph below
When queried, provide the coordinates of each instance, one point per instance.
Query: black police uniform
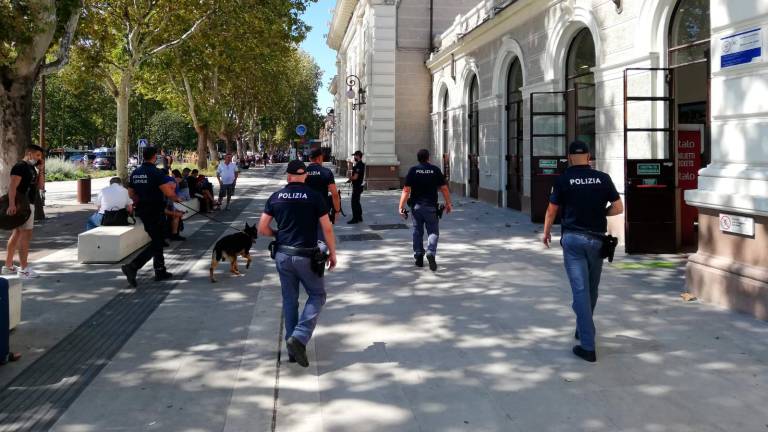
(319, 179)
(297, 209)
(150, 208)
(357, 190)
(583, 195)
(424, 180)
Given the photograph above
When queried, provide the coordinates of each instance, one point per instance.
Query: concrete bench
(14, 302)
(110, 244)
(191, 207)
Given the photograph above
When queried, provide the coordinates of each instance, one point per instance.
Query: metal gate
(649, 162)
(548, 147)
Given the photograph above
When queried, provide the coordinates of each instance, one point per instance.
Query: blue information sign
(142, 142)
(741, 48)
(301, 130)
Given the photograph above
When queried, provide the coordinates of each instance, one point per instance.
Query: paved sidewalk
(483, 344)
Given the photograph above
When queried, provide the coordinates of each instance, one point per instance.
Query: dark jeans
(584, 265)
(425, 217)
(5, 319)
(357, 209)
(154, 225)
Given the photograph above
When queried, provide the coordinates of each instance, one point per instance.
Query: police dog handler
(586, 197)
(420, 193)
(298, 211)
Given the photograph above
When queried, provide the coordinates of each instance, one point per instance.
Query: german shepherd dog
(233, 246)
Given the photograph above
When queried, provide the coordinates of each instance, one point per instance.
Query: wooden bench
(110, 244)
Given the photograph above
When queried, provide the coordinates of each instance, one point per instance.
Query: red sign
(688, 159)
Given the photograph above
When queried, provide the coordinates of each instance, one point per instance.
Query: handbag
(119, 217)
(23, 212)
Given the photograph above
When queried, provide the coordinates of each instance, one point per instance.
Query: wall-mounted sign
(688, 158)
(648, 169)
(548, 163)
(741, 48)
(737, 224)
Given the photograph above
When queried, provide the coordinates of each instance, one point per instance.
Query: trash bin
(84, 190)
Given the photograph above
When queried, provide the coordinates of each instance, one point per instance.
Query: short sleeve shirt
(583, 194)
(297, 209)
(28, 175)
(319, 178)
(113, 197)
(424, 181)
(145, 182)
(227, 172)
(359, 169)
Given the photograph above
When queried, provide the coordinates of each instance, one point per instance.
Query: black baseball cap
(296, 167)
(357, 153)
(578, 147)
(315, 153)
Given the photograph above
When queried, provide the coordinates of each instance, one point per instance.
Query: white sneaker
(10, 270)
(27, 273)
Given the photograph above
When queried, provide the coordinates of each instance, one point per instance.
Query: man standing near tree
(24, 175)
(227, 173)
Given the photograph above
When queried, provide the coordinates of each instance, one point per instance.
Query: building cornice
(342, 14)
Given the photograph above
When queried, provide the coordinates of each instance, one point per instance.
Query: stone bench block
(14, 302)
(110, 244)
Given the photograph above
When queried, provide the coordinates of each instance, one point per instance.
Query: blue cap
(578, 147)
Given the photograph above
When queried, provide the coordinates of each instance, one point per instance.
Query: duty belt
(296, 251)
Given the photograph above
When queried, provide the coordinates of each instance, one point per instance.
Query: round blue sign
(301, 130)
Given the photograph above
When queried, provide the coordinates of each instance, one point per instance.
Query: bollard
(84, 190)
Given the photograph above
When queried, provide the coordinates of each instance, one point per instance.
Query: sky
(318, 15)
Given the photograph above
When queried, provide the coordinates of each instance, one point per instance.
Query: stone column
(732, 269)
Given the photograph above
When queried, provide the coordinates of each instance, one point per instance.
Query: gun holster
(609, 247)
(318, 260)
(272, 249)
(440, 210)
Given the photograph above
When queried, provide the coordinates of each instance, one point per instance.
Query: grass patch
(646, 265)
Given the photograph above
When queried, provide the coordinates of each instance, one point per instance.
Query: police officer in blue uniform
(149, 189)
(420, 193)
(358, 176)
(298, 211)
(322, 181)
(586, 197)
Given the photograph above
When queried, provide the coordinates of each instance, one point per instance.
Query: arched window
(514, 110)
(580, 87)
(446, 136)
(689, 33)
(474, 138)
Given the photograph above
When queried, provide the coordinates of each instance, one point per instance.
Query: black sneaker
(130, 274)
(419, 260)
(432, 262)
(291, 358)
(299, 351)
(162, 275)
(590, 356)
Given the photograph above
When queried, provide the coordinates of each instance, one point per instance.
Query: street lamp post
(352, 81)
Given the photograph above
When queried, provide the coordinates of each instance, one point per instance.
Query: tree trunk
(202, 147)
(213, 151)
(15, 124)
(123, 122)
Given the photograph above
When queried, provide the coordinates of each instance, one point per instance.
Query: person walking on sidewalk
(586, 197)
(298, 211)
(420, 193)
(227, 174)
(358, 175)
(321, 180)
(24, 176)
(149, 189)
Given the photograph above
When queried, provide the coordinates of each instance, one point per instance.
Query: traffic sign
(142, 142)
(301, 130)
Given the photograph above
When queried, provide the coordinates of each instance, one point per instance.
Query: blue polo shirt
(583, 194)
(297, 209)
(425, 180)
(145, 182)
(319, 178)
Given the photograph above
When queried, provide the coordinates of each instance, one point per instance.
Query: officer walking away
(149, 189)
(420, 193)
(586, 197)
(358, 175)
(298, 211)
(321, 180)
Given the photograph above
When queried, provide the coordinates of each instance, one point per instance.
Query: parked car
(78, 158)
(104, 163)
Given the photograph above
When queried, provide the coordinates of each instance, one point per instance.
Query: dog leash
(211, 218)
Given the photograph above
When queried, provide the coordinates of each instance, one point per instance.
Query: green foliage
(58, 169)
(21, 21)
(169, 129)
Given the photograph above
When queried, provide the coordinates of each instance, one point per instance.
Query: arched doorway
(580, 89)
(689, 57)
(446, 131)
(514, 109)
(474, 138)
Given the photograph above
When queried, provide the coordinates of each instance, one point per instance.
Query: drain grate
(359, 237)
(386, 227)
(41, 393)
